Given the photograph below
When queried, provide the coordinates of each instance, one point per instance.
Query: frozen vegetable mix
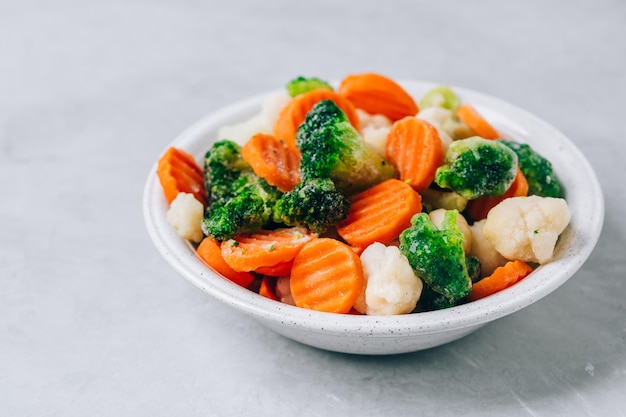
(357, 200)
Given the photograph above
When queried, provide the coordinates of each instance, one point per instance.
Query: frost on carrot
(178, 172)
(264, 248)
(327, 275)
(273, 160)
(414, 149)
(377, 94)
(380, 213)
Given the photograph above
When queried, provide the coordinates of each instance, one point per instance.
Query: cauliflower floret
(482, 249)
(437, 116)
(391, 285)
(262, 122)
(436, 216)
(273, 104)
(374, 129)
(185, 216)
(527, 228)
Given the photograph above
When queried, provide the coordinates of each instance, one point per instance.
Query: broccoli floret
(332, 148)
(223, 171)
(243, 213)
(473, 268)
(542, 180)
(239, 200)
(315, 204)
(302, 85)
(437, 256)
(431, 300)
(477, 167)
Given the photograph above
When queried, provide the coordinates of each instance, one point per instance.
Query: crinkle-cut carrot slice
(501, 278)
(415, 150)
(476, 122)
(326, 276)
(273, 160)
(178, 172)
(210, 252)
(294, 112)
(380, 213)
(264, 248)
(377, 94)
(282, 269)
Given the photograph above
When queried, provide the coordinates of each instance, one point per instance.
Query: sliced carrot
(273, 160)
(267, 288)
(479, 208)
(294, 112)
(414, 148)
(178, 172)
(210, 252)
(476, 122)
(380, 213)
(326, 276)
(377, 94)
(501, 278)
(264, 248)
(282, 269)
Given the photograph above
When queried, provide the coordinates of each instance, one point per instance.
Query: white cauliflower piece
(391, 286)
(185, 216)
(262, 122)
(527, 228)
(437, 116)
(272, 106)
(482, 249)
(374, 130)
(436, 216)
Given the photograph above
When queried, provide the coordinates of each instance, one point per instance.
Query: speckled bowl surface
(379, 335)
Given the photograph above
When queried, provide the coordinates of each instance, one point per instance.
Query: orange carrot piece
(476, 122)
(377, 94)
(267, 288)
(501, 278)
(380, 213)
(264, 248)
(326, 276)
(273, 160)
(479, 208)
(210, 252)
(178, 172)
(282, 269)
(294, 112)
(414, 148)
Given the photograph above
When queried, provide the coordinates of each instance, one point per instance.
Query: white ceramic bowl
(397, 334)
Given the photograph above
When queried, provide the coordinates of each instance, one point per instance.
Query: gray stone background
(94, 323)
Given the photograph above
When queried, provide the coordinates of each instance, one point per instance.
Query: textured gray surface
(92, 320)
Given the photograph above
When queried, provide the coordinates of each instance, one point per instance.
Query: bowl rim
(545, 279)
